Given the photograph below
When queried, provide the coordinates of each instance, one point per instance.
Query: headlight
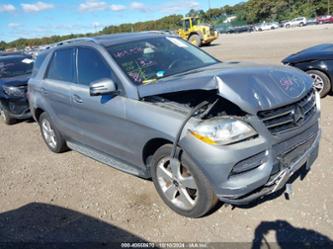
(13, 91)
(223, 131)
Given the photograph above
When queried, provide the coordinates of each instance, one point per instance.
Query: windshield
(11, 67)
(148, 60)
(196, 21)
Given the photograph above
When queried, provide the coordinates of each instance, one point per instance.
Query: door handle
(77, 99)
(44, 91)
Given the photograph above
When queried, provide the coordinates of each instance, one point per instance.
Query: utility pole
(209, 7)
(328, 7)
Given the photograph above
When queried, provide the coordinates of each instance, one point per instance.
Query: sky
(34, 18)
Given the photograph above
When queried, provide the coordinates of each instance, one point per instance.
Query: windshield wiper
(195, 70)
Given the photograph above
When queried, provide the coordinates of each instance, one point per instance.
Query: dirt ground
(50, 197)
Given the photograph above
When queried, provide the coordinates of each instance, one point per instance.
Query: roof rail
(76, 40)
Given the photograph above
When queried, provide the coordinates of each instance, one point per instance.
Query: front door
(99, 118)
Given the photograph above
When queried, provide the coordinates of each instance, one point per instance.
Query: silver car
(155, 106)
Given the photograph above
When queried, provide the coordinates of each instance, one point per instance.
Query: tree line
(250, 12)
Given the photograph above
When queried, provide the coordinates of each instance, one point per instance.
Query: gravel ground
(50, 197)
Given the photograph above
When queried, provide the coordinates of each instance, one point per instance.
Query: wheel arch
(322, 71)
(195, 33)
(37, 112)
(151, 147)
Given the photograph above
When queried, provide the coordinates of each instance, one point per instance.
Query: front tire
(51, 136)
(184, 188)
(5, 116)
(321, 82)
(195, 40)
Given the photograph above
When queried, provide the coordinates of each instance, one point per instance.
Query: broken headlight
(13, 91)
(223, 131)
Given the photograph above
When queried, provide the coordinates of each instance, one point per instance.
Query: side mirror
(102, 87)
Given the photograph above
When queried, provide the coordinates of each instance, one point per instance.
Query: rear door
(56, 88)
(100, 119)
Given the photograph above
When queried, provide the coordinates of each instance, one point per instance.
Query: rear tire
(5, 116)
(191, 198)
(51, 136)
(195, 40)
(322, 82)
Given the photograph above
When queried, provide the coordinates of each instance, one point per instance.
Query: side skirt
(108, 160)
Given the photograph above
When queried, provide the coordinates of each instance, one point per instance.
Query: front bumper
(17, 108)
(278, 181)
(280, 157)
(210, 37)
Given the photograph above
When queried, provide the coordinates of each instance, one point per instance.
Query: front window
(12, 67)
(196, 21)
(148, 60)
(91, 66)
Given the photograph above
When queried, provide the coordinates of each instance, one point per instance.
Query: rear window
(61, 65)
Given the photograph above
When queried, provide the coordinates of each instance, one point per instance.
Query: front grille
(290, 116)
(291, 150)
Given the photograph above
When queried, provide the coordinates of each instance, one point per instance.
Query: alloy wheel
(49, 134)
(318, 82)
(177, 184)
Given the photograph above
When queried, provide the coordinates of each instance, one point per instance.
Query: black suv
(15, 71)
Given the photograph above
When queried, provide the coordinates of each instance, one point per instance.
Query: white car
(267, 26)
(297, 22)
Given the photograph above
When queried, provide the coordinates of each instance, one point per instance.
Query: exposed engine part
(174, 160)
(186, 100)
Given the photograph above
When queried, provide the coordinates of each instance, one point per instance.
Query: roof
(108, 40)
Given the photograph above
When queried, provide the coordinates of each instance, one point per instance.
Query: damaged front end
(14, 101)
(260, 126)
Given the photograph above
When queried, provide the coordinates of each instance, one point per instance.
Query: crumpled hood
(252, 87)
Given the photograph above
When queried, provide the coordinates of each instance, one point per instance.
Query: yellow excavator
(196, 32)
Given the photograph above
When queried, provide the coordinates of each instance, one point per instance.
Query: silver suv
(297, 22)
(155, 106)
